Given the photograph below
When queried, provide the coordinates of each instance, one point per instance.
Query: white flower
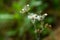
(22, 9)
(45, 14)
(32, 16)
(25, 9)
(27, 4)
(38, 18)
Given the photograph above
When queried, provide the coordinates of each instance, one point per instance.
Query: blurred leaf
(49, 20)
(45, 32)
(18, 5)
(42, 7)
(26, 26)
(6, 16)
(11, 33)
(35, 3)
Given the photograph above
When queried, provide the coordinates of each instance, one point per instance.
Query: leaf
(11, 33)
(50, 20)
(17, 6)
(26, 26)
(45, 32)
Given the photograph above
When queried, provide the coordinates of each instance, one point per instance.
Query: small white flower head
(25, 9)
(41, 17)
(27, 4)
(38, 18)
(45, 14)
(21, 12)
(22, 9)
(32, 16)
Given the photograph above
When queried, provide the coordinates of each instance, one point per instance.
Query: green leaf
(50, 20)
(26, 26)
(17, 6)
(45, 32)
(11, 33)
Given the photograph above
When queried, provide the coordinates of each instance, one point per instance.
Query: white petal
(27, 4)
(22, 9)
(30, 17)
(45, 14)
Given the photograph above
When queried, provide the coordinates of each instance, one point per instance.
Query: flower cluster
(25, 9)
(35, 17)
